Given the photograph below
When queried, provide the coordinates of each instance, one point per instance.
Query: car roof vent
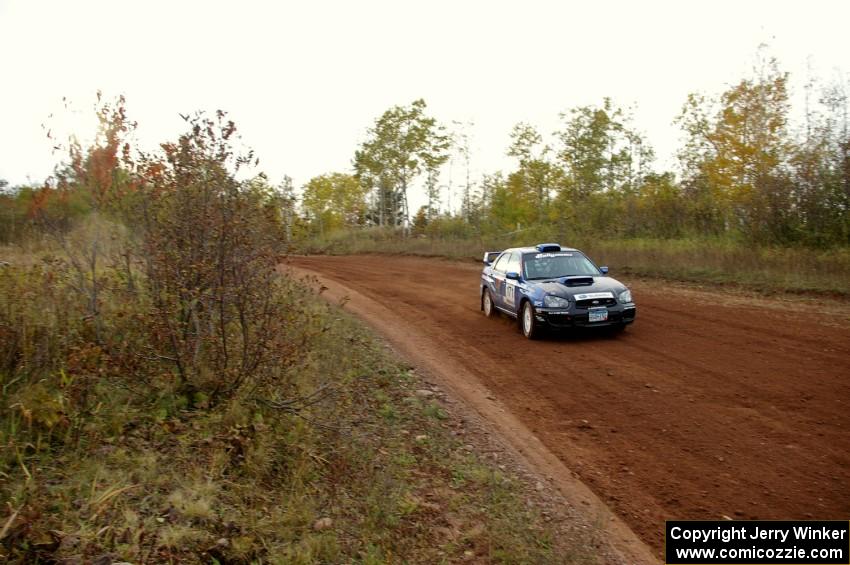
(548, 247)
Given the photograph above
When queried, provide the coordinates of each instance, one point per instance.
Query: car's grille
(595, 302)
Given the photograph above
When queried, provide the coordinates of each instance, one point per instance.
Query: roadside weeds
(372, 464)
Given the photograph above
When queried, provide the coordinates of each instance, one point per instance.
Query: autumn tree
(660, 209)
(210, 245)
(510, 205)
(736, 152)
(16, 206)
(421, 220)
(334, 201)
(600, 151)
(821, 166)
(402, 144)
(536, 175)
(91, 184)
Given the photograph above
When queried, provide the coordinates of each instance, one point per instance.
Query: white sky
(304, 80)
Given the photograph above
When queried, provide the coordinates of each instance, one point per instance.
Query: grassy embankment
(98, 460)
(764, 269)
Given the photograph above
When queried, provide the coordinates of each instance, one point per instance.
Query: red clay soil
(711, 405)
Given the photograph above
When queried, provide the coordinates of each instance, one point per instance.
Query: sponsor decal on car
(592, 295)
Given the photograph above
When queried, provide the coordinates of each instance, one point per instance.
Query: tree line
(745, 172)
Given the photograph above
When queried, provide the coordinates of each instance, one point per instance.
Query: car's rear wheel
(487, 304)
(529, 326)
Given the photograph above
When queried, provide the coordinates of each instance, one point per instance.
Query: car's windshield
(560, 264)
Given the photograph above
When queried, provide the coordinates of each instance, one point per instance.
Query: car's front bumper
(562, 318)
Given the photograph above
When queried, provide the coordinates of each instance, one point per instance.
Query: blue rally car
(548, 286)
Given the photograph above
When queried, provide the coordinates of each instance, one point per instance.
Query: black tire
(527, 324)
(487, 304)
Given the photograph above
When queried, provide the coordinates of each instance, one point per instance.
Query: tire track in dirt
(711, 405)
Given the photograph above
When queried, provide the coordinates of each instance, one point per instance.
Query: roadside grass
(713, 261)
(362, 469)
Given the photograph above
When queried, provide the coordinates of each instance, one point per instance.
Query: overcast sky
(304, 80)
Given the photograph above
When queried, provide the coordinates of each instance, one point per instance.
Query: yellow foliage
(40, 407)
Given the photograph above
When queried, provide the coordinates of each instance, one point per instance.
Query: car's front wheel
(487, 304)
(529, 326)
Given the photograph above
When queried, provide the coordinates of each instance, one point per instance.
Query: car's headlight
(551, 301)
(626, 296)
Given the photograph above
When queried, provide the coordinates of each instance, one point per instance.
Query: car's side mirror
(604, 270)
(512, 276)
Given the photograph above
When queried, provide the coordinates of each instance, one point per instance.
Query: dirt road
(711, 405)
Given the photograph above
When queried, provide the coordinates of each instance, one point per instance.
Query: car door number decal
(510, 293)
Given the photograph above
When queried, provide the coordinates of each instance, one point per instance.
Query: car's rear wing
(490, 256)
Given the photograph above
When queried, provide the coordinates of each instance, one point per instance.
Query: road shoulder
(570, 496)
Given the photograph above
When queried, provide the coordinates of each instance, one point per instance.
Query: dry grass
(141, 476)
(766, 269)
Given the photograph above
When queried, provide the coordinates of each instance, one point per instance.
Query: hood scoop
(576, 281)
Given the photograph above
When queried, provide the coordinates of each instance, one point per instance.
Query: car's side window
(513, 263)
(501, 262)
